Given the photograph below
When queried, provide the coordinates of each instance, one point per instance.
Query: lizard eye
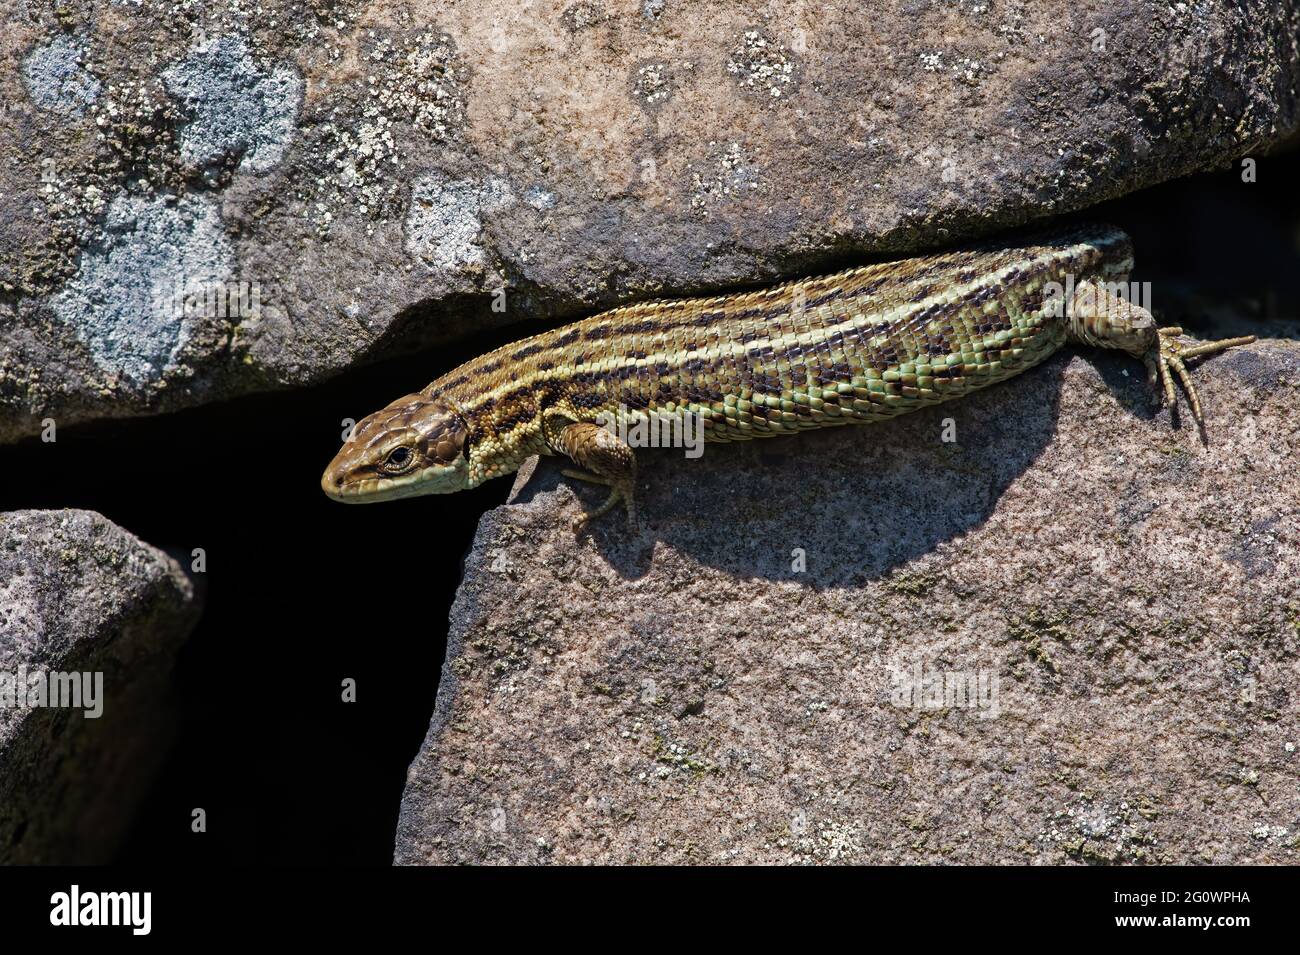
(398, 460)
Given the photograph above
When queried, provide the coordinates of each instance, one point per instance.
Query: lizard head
(417, 445)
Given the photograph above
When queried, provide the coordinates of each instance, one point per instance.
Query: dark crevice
(300, 594)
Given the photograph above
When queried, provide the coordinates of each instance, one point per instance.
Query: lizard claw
(618, 492)
(1165, 361)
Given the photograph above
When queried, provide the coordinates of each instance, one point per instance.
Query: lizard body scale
(858, 346)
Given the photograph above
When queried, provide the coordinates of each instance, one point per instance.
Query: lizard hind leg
(607, 460)
(1100, 317)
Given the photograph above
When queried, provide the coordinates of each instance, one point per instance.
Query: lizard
(859, 346)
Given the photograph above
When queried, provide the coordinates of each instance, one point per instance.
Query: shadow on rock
(835, 507)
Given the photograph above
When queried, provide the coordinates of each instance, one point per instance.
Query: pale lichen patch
(729, 177)
(57, 79)
(1101, 830)
(407, 84)
(652, 84)
(580, 16)
(761, 65)
(444, 225)
(122, 303)
(234, 106)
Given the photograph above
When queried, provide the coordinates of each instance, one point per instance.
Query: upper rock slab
(201, 200)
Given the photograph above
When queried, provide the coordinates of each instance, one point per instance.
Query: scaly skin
(851, 348)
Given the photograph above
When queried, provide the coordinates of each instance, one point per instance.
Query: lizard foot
(1166, 360)
(619, 491)
(607, 460)
(1099, 316)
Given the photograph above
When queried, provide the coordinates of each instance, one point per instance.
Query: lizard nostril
(331, 482)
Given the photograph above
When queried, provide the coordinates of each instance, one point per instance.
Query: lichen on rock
(234, 106)
(444, 227)
(57, 77)
(127, 301)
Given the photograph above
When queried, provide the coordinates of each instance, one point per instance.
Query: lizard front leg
(607, 459)
(1102, 318)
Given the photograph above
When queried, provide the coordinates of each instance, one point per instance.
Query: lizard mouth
(368, 491)
(435, 479)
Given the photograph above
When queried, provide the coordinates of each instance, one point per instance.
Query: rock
(751, 676)
(79, 595)
(204, 201)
